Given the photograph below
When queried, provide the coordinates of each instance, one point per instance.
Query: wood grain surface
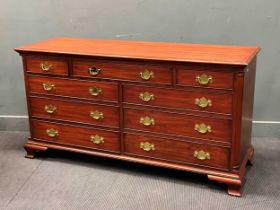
(238, 55)
(76, 135)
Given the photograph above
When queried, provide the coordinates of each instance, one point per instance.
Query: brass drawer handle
(48, 86)
(95, 91)
(147, 146)
(46, 66)
(204, 79)
(201, 155)
(52, 132)
(147, 121)
(203, 128)
(93, 71)
(146, 96)
(50, 109)
(96, 115)
(203, 102)
(146, 74)
(96, 139)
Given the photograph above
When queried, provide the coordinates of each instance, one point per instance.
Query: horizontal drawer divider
(178, 137)
(76, 99)
(77, 123)
(173, 111)
(189, 112)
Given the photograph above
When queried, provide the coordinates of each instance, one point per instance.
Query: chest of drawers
(181, 106)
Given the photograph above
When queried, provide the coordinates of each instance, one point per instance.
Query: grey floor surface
(62, 181)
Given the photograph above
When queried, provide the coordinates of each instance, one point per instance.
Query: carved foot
(31, 149)
(30, 153)
(235, 190)
(234, 185)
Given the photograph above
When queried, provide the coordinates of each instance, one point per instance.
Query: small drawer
(177, 124)
(77, 136)
(47, 65)
(200, 100)
(205, 76)
(101, 115)
(127, 71)
(176, 151)
(91, 90)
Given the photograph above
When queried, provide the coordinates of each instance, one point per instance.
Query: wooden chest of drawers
(181, 106)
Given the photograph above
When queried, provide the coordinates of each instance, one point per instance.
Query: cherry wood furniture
(181, 106)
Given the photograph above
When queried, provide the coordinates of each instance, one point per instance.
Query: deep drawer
(91, 90)
(176, 151)
(76, 136)
(47, 65)
(101, 115)
(127, 71)
(199, 100)
(178, 124)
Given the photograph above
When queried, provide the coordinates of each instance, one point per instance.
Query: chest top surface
(200, 53)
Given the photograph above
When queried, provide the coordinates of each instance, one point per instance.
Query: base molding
(233, 180)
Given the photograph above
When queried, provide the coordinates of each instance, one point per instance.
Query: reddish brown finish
(179, 151)
(59, 65)
(74, 88)
(236, 126)
(184, 99)
(75, 112)
(247, 109)
(76, 136)
(178, 124)
(237, 55)
(222, 76)
(122, 70)
(174, 86)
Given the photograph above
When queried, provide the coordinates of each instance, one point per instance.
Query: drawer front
(177, 151)
(101, 115)
(77, 136)
(126, 71)
(91, 90)
(202, 76)
(199, 100)
(178, 124)
(46, 65)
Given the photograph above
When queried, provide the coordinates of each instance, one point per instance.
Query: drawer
(91, 90)
(127, 71)
(76, 136)
(200, 100)
(176, 151)
(206, 76)
(47, 65)
(101, 115)
(177, 124)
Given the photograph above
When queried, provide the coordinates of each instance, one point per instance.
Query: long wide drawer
(178, 151)
(128, 71)
(101, 115)
(92, 90)
(76, 136)
(177, 124)
(199, 100)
